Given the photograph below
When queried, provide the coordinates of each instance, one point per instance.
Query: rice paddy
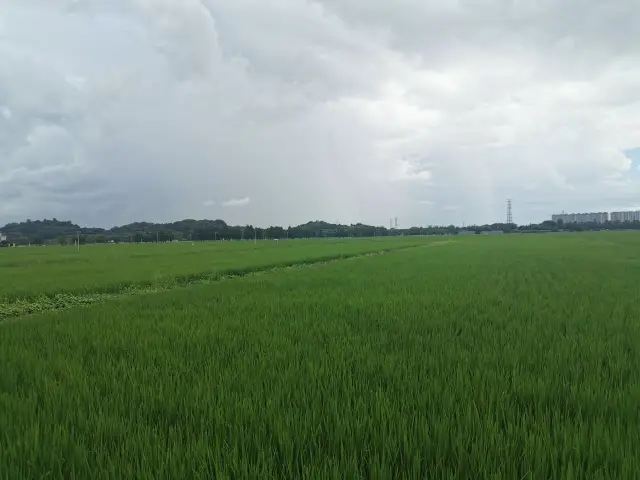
(486, 357)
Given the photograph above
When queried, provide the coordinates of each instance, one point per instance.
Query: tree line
(41, 232)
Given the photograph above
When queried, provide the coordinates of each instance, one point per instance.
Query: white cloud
(237, 202)
(318, 108)
(208, 203)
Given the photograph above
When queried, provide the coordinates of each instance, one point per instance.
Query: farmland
(495, 357)
(97, 268)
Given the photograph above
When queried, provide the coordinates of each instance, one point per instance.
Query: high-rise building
(592, 217)
(631, 216)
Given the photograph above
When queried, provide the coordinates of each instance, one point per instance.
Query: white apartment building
(625, 216)
(592, 217)
(3, 237)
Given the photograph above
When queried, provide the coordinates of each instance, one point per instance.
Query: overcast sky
(283, 111)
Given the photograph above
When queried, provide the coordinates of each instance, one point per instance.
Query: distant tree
(66, 232)
(249, 232)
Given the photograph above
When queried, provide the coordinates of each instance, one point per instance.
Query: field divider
(48, 302)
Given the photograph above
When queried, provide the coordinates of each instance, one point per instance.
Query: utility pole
(78, 240)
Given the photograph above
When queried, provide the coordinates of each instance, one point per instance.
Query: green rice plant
(57, 301)
(510, 357)
(31, 272)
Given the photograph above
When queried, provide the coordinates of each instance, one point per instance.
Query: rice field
(31, 271)
(496, 357)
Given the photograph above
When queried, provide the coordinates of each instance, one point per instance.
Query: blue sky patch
(634, 155)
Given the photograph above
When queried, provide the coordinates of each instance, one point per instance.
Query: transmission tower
(509, 212)
(396, 222)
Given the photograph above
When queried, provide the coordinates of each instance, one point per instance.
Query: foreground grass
(106, 269)
(493, 358)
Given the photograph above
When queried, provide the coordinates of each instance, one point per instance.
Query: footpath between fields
(44, 302)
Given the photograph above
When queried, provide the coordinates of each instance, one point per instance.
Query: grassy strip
(59, 301)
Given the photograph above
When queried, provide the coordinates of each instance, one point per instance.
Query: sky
(284, 111)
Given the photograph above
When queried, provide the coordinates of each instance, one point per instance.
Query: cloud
(237, 202)
(208, 203)
(320, 109)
